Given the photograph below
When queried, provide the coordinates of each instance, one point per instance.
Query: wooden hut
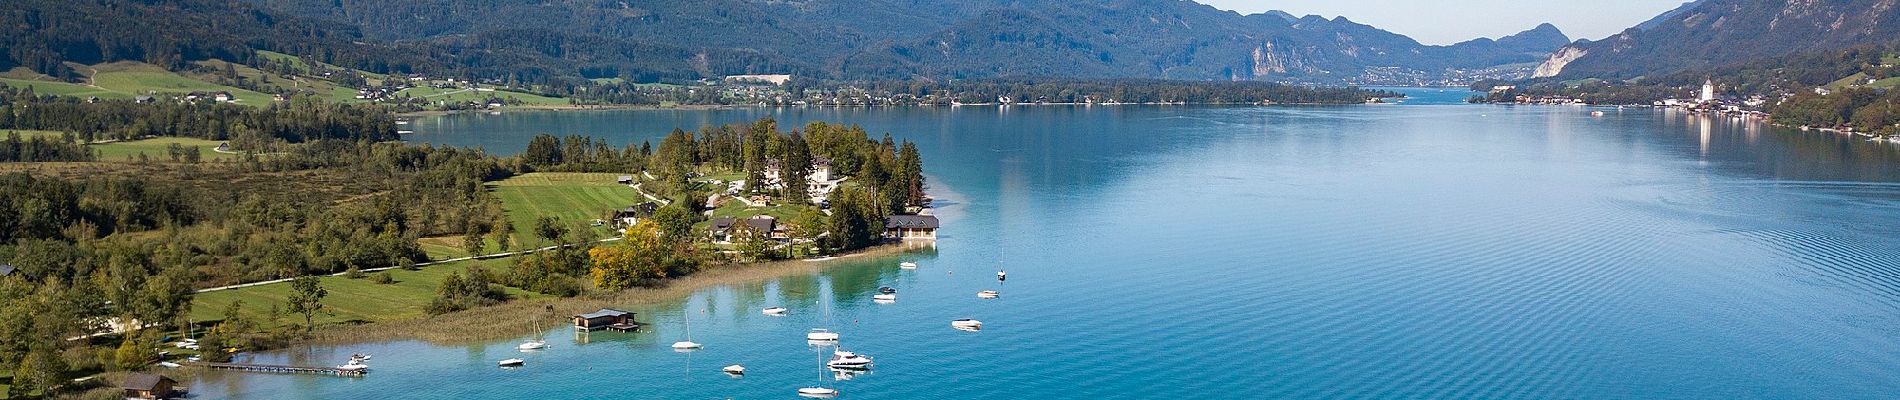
(606, 318)
(148, 386)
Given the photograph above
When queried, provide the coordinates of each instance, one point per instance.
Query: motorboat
(821, 334)
(886, 290)
(818, 392)
(734, 369)
(686, 345)
(1596, 113)
(169, 364)
(359, 356)
(773, 311)
(907, 265)
(987, 294)
(967, 324)
(848, 360)
(884, 297)
(512, 362)
(353, 366)
(533, 345)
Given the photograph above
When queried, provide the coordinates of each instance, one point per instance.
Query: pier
(281, 369)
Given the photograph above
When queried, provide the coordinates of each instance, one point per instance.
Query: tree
(808, 225)
(543, 150)
(674, 222)
(752, 244)
(634, 261)
(549, 229)
(306, 298)
(134, 351)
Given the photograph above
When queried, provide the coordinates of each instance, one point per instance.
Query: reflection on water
(1442, 251)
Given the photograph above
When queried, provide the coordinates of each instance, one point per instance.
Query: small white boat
(818, 392)
(907, 265)
(169, 364)
(359, 357)
(353, 366)
(686, 345)
(512, 362)
(1596, 113)
(1000, 276)
(734, 369)
(967, 324)
(533, 345)
(773, 311)
(884, 297)
(987, 294)
(821, 334)
(848, 360)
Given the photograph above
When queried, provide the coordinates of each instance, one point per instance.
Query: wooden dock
(281, 369)
(624, 327)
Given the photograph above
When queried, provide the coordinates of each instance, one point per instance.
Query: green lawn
(155, 148)
(349, 299)
(64, 89)
(575, 198)
(140, 82)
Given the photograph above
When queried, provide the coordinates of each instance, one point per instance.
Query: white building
(1708, 91)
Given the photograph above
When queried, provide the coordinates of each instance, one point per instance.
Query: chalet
(148, 386)
(606, 318)
(909, 227)
(221, 97)
(624, 180)
(721, 229)
(630, 215)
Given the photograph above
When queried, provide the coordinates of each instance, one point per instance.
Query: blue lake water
(1421, 250)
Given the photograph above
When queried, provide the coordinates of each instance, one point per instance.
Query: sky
(1452, 21)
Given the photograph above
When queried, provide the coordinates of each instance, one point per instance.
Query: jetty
(281, 369)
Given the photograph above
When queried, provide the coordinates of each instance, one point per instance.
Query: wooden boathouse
(606, 318)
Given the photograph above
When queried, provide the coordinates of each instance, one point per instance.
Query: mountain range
(675, 40)
(1716, 33)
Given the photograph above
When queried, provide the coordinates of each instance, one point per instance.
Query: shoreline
(507, 319)
(701, 107)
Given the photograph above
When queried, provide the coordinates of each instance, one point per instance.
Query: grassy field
(350, 299)
(465, 95)
(63, 88)
(131, 78)
(573, 197)
(326, 90)
(155, 148)
(30, 133)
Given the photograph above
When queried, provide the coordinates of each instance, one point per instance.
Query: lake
(1422, 250)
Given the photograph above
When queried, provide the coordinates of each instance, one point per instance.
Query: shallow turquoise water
(1393, 251)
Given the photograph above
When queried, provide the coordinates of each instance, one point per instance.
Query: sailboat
(818, 389)
(536, 344)
(822, 334)
(687, 344)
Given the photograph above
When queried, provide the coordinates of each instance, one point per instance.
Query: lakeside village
(918, 225)
(1706, 101)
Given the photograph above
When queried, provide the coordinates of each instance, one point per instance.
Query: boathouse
(908, 227)
(148, 386)
(606, 318)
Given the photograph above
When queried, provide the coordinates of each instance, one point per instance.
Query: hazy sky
(1452, 21)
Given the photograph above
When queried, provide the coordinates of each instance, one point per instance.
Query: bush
(353, 273)
(383, 278)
